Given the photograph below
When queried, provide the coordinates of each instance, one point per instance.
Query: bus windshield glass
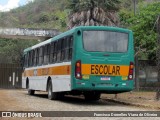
(105, 41)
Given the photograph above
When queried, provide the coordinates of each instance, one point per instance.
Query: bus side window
(25, 61)
(55, 52)
(37, 56)
(59, 50)
(70, 43)
(63, 46)
(43, 47)
(29, 59)
(33, 55)
(41, 56)
(51, 52)
(66, 48)
(46, 54)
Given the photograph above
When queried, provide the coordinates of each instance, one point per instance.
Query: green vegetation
(11, 50)
(143, 25)
(49, 14)
(53, 14)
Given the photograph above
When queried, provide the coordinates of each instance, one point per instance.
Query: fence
(10, 76)
(148, 75)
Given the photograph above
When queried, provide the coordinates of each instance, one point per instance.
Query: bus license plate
(105, 78)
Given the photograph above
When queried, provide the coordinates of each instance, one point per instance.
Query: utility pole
(134, 2)
(136, 73)
(158, 48)
(136, 57)
(158, 56)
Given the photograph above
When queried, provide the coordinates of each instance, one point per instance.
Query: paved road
(19, 100)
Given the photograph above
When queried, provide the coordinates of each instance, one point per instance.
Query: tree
(93, 12)
(83, 5)
(11, 51)
(143, 26)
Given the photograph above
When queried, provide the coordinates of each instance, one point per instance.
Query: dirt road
(19, 100)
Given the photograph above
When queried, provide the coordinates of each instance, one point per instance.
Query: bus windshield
(105, 41)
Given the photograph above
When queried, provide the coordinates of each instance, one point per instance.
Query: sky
(6, 5)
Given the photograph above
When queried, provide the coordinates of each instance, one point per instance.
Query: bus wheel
(92, 96)
(30, 92)
(53, 95)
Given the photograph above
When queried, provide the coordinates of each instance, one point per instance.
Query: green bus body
(116, 84)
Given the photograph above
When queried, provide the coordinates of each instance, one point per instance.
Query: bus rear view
(104, 60)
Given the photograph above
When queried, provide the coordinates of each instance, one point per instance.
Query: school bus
(86, 60)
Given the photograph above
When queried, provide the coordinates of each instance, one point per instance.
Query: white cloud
(10, 5)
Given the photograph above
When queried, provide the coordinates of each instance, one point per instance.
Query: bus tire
(30, 92)
(53, 95)
(92, 96)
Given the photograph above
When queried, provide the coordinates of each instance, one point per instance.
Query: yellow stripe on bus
(111, 70)
(87, 69)
(58, 70)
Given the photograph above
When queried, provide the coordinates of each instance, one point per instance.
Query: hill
(45, 14)
(38, 14)
(53, 14)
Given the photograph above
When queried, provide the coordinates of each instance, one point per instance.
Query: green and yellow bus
(86, 60)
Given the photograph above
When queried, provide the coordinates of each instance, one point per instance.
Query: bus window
(105, 41)
(25, 60)
(70, 47)
(37, 56)
(63, 47)
(51, 52)
(46, 54)
(33, 55)
(55, 52)
(24, 57)
(66, 49)
(41, 54)
(59, 50)
(30, 59)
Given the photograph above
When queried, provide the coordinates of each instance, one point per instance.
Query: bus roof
(50, 40)
(69, 32)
